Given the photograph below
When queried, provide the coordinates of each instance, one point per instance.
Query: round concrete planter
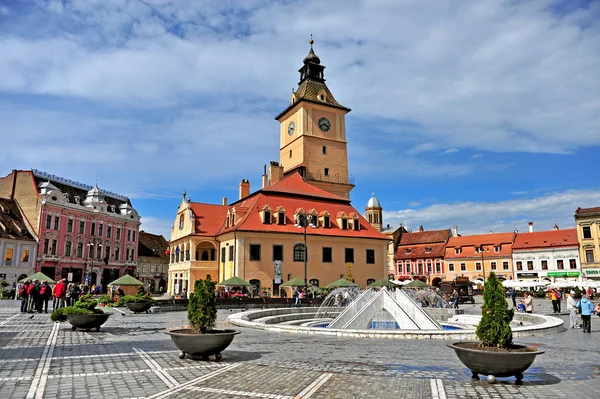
(497, 364)
(87, 321)
(138, 307)
(202, 345)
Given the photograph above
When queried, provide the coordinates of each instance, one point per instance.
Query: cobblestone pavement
(131, 357)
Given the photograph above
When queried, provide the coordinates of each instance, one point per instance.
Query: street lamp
(482, 263)
(302, 222)
(91, 253)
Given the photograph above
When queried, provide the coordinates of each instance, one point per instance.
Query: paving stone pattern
(131, 357)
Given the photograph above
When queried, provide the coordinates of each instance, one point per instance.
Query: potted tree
(83, 314)
(199, 339)
(138, 303)
(494, 354)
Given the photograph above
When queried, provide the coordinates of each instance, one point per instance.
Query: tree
(494, 328)
(202, 309)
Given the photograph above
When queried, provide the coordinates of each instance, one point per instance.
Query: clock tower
(313, 132)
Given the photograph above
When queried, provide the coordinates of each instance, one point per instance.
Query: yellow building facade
(588, 235)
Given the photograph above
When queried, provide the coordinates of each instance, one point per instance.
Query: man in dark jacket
(24, 296)
(45, 295)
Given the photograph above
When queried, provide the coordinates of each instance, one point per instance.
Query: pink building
(84, 234)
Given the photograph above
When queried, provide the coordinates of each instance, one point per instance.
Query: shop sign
(573, 274)
(557, 274)
(528, 274)
(592, 272)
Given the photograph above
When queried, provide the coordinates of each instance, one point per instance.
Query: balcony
(51, 258)
(204, 264)
(130, 263)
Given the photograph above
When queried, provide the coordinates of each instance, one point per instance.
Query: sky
(484, 115)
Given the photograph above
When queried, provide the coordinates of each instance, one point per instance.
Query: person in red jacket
(60, 292)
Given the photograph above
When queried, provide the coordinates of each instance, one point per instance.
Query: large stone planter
(139, 307)
(496, 364)
(202, 345)
(87, 321)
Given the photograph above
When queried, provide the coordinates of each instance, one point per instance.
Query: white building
(17, 244)
(547, 255)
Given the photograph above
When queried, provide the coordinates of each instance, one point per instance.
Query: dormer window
(227, 222)
(281, 218)
(265, 214)
(356, 224)
(427, 250)
(497, 248)
(344, 224)
(233, 219)
(267, 217)
(457, 251)
(326, 222)
(408, 251)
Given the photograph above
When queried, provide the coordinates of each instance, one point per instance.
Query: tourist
(558, 298)
(554, 298)
(587, 308)
(45, 295)
(184, 294)
(590, 293)
(572, 309)
(60, 292)
(513, 296)
(23, 295)
(73, 292)
(455, 299)
(33, 291)
(528, 302)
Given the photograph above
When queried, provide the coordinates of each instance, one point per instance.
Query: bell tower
(313, 132)
(374, 213)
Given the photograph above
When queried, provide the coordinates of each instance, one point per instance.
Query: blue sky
(484, 115)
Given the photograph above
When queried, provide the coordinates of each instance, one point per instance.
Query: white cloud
(497, 76)
(157, 226)
(482, 217)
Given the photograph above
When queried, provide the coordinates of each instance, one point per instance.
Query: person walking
(528, 302)
(32, 293)
(572, 309)
(554, 301)
(558, 299)
(455, 299)
(587, 308)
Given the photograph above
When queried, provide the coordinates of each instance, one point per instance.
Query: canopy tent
(417, 284)
(563, 284)
(510, 283)
(234, 282)
(38, 276)
(587, 284)
(295, 282)
(127, 283)
(383, 283)
(341, 283)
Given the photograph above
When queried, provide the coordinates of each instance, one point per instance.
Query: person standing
(554, 301)
(45, 295)
(455, 299)
(23, 295)
(528, 302)
(558, 299)
(572, 309)
(32, 293)
(587, 308)
(513, 296)
(60, 291)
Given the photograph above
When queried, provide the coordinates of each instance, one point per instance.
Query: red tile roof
(546, 239)
(419, 251)
(152, 245)
(467, 244)
(425, 237)
(584, 211)
(209, 218)
(12, 222)
(294, 184)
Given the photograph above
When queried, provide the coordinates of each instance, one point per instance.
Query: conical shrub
(494, 328)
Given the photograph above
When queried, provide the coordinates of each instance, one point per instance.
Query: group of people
(35, 295)
(585, 308)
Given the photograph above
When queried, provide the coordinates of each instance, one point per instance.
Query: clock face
(291, 128)
(324, 124)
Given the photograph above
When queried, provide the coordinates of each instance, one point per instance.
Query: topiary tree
(202, 309)
(494, 328)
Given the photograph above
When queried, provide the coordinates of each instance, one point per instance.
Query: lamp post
(302, 222)
(482, 264)
(91, 245)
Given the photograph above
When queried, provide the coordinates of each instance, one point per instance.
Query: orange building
(300, 223)
(477, 255)
(420, 255)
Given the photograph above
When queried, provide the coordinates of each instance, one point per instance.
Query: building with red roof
(420, 255)
(587, 221)
(547, 255)
(300, 223)
(475, 256)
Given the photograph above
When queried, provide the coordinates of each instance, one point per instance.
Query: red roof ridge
(295, 184)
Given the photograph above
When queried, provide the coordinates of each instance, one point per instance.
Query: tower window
(290, 153)
(326, 171)
(324, 150)
(322, 97)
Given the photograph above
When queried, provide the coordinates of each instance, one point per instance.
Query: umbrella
(234, 282)
(295, 282)
(341, 283)
(563, 284)
(509, 283)
(383, 283)
(126, 279)
(417, 284)
(38, 276)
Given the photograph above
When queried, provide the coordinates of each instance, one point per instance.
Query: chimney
(265, 178)
(531, 227)
(224, 200)
(421, 228)
(14, 184)
(244, 188)
(556, 227)
(455, 231)
(275, 173)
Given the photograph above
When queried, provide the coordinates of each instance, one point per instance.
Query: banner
(277, 272)
(349, 275)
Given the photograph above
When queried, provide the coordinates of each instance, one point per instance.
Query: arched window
(299, 253)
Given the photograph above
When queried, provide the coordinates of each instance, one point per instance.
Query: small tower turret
(374, 212)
